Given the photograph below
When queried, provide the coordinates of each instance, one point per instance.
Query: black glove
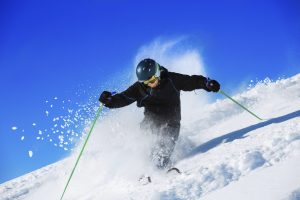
(105, 97)
(212, 85)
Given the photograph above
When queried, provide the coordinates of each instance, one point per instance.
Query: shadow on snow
(239, 134)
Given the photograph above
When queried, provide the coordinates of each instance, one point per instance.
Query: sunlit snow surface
(222, 152)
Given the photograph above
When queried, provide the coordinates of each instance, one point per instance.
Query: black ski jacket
(162, 103)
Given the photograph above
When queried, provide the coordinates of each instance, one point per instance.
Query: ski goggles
(150, 80)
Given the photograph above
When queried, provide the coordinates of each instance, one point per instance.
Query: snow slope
(223, 152)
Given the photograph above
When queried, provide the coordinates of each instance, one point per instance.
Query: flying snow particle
(14, 128)
(30, 154)
(33, 124)
(55, 98)
(22, 138)
(47, 113)
(61, 138)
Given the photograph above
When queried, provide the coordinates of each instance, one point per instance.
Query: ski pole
(80, 154)
(222, 92)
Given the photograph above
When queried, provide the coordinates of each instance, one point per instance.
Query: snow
(14, 128)
(223, 153)
(30, 154)
(275, 182)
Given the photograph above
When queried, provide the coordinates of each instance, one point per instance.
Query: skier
(158, 91)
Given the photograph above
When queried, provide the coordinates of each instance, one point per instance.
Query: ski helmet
(146, 69)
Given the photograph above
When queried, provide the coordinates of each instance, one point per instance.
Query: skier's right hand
(105, 97)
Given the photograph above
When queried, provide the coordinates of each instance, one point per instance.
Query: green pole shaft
(82, 149)
(239, 104)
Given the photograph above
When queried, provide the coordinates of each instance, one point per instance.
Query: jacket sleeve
(188, 83)
(124, 98)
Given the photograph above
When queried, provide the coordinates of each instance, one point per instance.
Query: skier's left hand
(212, 85)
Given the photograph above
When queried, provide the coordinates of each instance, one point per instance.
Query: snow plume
(173, 55)
(117, 152)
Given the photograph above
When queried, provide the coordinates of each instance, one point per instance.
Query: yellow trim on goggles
(150, 80)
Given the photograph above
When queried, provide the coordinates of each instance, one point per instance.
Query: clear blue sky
(66, 49)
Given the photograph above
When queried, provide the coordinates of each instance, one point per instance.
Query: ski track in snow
(219, 149)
